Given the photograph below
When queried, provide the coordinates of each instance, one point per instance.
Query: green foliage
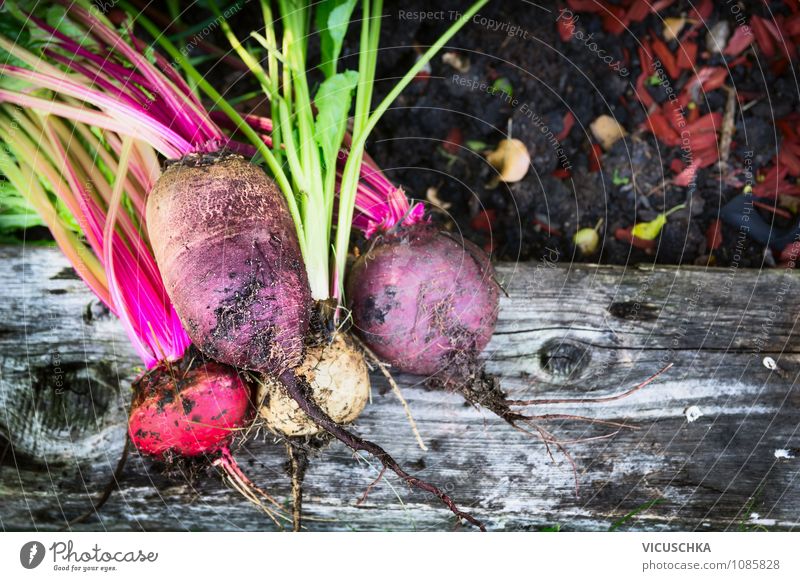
(639, 509)
(619, 180)
(16, 213)
(333, 18)
(333, 100)
(476, 145)
(503, 85)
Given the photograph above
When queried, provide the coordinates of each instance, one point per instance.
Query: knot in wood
(564, 358)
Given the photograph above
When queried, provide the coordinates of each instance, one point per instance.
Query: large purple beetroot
(227, 248)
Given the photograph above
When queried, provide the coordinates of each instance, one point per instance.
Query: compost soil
(515, 71)
(426, 141)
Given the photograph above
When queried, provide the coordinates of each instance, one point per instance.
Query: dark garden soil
(555, 74)
(544, 72)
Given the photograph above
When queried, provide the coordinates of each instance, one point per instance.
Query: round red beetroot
(423, 300)
(188, 412)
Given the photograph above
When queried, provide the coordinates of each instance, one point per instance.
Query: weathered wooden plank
(564, 331)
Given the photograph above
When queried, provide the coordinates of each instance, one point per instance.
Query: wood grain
(565, 331)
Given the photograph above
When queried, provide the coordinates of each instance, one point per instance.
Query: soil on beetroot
(423, 142)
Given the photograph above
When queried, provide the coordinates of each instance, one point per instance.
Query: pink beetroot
(423, 300)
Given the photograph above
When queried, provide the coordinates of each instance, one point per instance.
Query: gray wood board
(564, 331)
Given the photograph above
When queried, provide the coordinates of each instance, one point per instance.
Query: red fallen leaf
(694, 115)
(642, 92)
(546, 227)
(779, 66)
(561, 173)
(714, 235)
(660, 127)
(774, 28)
(594, 157)
(646, 64)
(782, 188)
(773, 183)
(701, 10)
(778, 30)
(706, 156)
(452, 143)
(791, 160)
(666, 57)
(690, 34)
(686, 177)
(676, 165)
(788, 126)
(792, 146)
(687, 55)
(701, 142)
(742, 38)
(763, 36)
(741, 60)
(614, 21)
(585, 5)
(792, 25)
(790, 253)
(661, 4)
(626, 235)
(645, 58)
(568, 123)
(675, 115)
(708, 79)
(484, 220)
(566, 28)
(776, 172)
(710, 122)
(794, 5)
(715, 80)
(770, 208)
(638, 11)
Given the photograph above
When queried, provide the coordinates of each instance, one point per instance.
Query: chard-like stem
(93, 118)
(241, 124)
(370, 35)
(25, 180)
(100, 27)
(362, 130)
(108, 247)
(271, 44)
(295, 17)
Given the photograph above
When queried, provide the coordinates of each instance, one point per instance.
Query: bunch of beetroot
(245, 300)
(244, 258)
(255, 289)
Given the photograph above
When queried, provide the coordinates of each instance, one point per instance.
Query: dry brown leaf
(432, 195)
(607, 131)
(458, 62)
(672, 27)
(511, 160)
